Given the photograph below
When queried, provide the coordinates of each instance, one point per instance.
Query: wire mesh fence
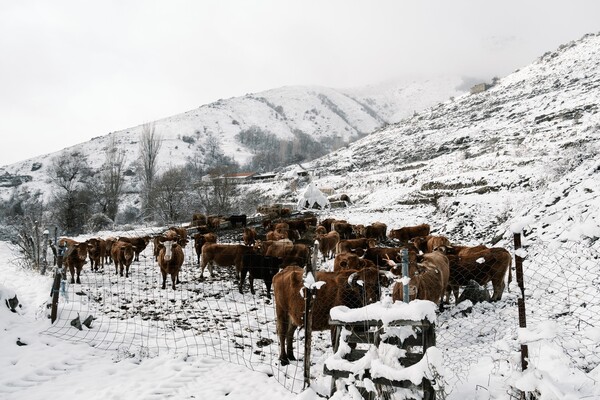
(562, 286)
(207, 316)
(202, 317)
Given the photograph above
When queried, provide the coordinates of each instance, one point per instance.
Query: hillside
(326, 117)
(472, 164)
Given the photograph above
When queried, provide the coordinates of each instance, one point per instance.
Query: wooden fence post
(59, 275)
(521, 300)
(309, 293)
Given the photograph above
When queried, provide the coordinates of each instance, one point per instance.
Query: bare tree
(112, 177)
(170, 196)
(150, 144)
(107, 185)
(72, 202)
(217, 196)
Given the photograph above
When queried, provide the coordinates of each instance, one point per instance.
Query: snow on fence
(209, 317)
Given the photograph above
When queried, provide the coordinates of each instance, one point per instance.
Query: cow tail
(509, 273)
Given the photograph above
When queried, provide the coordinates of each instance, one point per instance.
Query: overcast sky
(73, 70)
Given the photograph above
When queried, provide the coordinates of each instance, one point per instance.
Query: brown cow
(329, 221)
(74, 257)
(139, 244)
(340, 288)
(320, 230)
(198, 219)
(345, 229)
(122, 254)
(349, 245)
(377, 230)
(285, 249)
(170, 260)
(409, 232)
(481, 265)
(109, 241)
(249, 236)
(351, 261)
(224, 255)
(428, 280)
(96, 248)
(201, 239)
(427, 244)
(382, 256)
(214, 221)
(277, 234)
(181, 234)
(327, 244)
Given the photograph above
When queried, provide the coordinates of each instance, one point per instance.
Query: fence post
(45, 251)
(59, 274)
(521, 300)
(405, 288)
(309, 293)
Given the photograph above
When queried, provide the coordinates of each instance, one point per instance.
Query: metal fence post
(521, 300)
(405, 294)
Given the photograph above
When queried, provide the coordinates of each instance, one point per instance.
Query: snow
(311, 196)
(478, 169)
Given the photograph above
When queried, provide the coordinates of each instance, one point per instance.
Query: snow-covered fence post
(405, 294)
(521, 300)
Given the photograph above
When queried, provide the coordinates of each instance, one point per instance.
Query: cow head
(169, 249)
(366, 285)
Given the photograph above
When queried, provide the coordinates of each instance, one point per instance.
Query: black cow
(237, 219)
(258, 266)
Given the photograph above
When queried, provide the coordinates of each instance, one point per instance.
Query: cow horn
(352, 277)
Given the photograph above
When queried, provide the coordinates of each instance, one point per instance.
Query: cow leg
(289, 337)
(202, 266)
(268, 285)
(282, 323)
(164, 280)
(127, 271)
(251, 282)
(78, 274)
(72, 271)
(498, 289)
(173, 279)
(242, 279)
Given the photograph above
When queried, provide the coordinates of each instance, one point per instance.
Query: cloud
(74, 70)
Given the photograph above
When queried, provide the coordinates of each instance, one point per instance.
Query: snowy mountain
(327, 116)
(472, 164)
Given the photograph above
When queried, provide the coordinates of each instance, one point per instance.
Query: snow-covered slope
(328, 116)
(472, 164)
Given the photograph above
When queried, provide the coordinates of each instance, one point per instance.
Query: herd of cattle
(365, 259)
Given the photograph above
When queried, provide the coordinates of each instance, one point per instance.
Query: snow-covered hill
(328, 116)
(472, 164)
